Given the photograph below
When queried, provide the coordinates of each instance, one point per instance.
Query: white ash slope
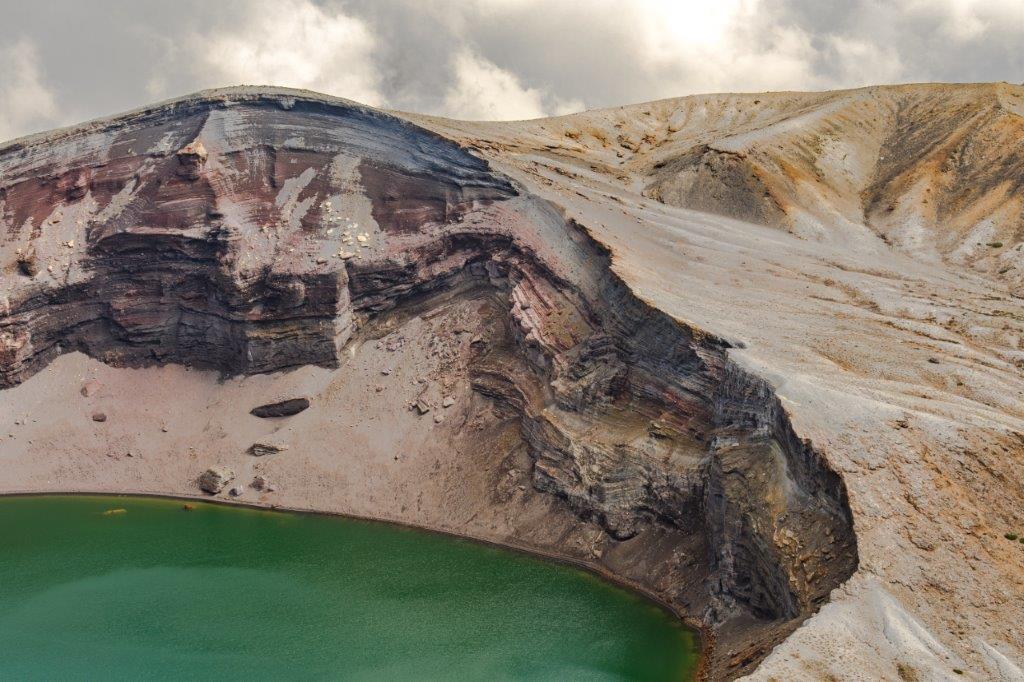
(903, 369)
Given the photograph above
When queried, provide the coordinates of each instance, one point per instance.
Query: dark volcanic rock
(285, 408)
(214, 479)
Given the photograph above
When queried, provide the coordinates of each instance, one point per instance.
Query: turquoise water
(156, 592)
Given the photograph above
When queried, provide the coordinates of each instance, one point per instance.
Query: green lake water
(157, 592)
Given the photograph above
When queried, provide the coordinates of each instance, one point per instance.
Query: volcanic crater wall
(256, 232)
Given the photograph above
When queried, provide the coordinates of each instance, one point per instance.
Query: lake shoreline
(703, 634)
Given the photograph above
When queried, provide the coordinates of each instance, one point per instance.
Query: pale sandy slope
(904, 370)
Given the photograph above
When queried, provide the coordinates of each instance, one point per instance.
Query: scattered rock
(236, 491)
(438, 418)
(448, 401)
(934, 361)
(89, 388)
(262, 448)
(422, 406)
(285, 408)
(262, 484)
(214, 479)
(28, 265)
(99, 417)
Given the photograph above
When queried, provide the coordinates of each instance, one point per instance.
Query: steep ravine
(227, 258)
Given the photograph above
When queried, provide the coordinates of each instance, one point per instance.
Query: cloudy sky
(64, 61)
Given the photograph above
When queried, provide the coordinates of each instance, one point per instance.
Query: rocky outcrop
(233, 232)
(717, 181)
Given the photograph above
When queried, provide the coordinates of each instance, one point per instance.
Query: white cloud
(862, 63)
(483, 91)
(690, 46)
(964, 20)
(26, 103)
(490, 59)
(291, 43)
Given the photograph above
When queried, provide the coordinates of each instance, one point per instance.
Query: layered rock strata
(253, 232)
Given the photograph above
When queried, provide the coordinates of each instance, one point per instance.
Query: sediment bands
(260, 232)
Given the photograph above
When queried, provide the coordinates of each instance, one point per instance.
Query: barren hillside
(935, 171)
(757, 356)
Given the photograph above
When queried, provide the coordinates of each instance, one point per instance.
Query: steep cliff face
(206, 233)
(253, 232)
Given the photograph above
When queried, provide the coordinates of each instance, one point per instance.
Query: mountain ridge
(775, 380)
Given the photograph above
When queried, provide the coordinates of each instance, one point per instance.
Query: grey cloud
(104, 56)
(918, 33)
(416, 43)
